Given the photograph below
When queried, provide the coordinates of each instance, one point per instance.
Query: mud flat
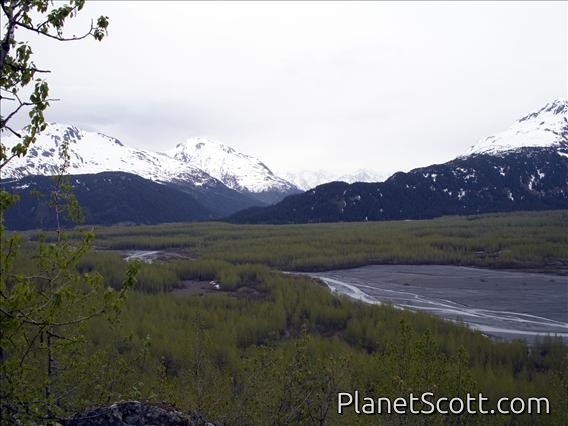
(503, 304)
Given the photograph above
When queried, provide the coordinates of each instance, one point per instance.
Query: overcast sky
(334, 86)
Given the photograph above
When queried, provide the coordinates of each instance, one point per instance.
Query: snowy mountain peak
(207, 146)
(72, 134)
(557, 107)
(92, 152)
(238, 171)
(189, 163)
(546, 127)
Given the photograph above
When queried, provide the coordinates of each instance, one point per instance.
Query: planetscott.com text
(427, 403)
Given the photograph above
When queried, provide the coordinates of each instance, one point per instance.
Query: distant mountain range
(523, 168)
(308, 179)
(217, 178)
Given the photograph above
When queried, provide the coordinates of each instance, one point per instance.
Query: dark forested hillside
(106, 198)
(527, 179)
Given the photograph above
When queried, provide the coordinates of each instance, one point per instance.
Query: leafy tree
(43, 308)
(19, 70)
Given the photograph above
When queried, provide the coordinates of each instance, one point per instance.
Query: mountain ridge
(308, 179)
(237, 170)
(513, 170)
(94, 152)
(524, 167)
(546, 127)
(106, 198)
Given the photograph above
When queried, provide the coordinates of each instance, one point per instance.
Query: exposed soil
(191, 287)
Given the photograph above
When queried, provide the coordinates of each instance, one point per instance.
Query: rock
(135, 413)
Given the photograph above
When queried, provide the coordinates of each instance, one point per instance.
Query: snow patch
(532, 180)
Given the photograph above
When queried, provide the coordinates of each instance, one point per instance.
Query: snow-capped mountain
(308, 179)
(546, 127)
(522, 168)
(248, 181)
(92, 152)
(238, 171)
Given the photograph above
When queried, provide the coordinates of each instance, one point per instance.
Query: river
(502, 304)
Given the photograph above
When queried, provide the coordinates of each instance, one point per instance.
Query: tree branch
(13, 155)
(29, 321)
(20, 68)
(22, 104)
(8, 38)
(30, 346)
(55, 37)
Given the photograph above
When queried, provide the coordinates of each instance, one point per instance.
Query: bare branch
(22, 104)
(4, 127)
(56, 37)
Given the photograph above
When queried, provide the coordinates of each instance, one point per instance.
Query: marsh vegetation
(274, 348)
